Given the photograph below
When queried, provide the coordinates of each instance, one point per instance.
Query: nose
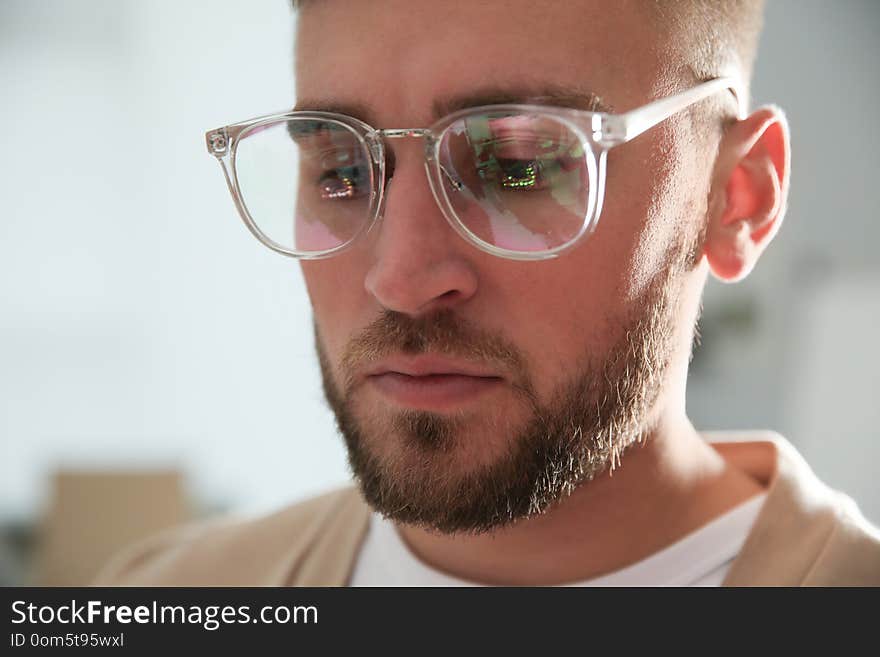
(420, 265)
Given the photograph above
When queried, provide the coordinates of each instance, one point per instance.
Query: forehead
(400, 60)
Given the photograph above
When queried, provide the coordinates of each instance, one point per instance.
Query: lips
(432, 382)
(423, 366)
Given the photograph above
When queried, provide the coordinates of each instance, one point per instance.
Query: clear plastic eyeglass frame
(598, 131)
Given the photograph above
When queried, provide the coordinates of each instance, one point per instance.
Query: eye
(514, 174)
(520, 174)
(342, 183)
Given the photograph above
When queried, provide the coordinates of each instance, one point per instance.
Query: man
(507, 369)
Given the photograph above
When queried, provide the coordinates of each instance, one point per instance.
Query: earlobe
(749, 193)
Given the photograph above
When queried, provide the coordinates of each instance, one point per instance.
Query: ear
(749, 193)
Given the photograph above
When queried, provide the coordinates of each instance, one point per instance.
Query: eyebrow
(547, 95)
(555, 95)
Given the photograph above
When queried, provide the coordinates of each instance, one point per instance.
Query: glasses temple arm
(635, 122)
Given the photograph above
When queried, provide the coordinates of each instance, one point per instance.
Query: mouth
(432, 383)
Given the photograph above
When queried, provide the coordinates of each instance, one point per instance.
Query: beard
(422, 476)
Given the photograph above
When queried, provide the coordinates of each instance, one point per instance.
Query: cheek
(555, 312)
(649, 205)
(578, 306)
(336, 297)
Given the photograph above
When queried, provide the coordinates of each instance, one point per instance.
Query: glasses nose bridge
(399, 133)
(404, 133)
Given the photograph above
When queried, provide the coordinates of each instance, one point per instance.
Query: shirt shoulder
(307, 543)
(831, 544)
(807, 533)
(850, 555)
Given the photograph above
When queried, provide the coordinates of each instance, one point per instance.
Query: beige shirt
(806, 534)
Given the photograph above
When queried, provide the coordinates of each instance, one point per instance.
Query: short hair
(718, 36)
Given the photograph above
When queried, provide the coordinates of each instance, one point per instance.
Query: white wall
(140, 323)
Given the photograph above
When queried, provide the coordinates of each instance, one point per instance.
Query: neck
(665, 488)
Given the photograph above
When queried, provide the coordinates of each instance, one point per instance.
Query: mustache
(442, 332)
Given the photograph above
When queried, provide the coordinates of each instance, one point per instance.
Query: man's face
(574, 353)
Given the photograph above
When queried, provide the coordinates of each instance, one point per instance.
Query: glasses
(517, 181)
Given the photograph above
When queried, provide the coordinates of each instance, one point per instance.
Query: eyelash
(530, 179)
(340, 184)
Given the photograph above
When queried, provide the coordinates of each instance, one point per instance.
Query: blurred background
(156, 362)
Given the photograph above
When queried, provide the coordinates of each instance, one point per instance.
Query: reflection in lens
(307, 183)
(524, 179)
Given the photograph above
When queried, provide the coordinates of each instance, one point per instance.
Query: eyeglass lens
(519, 182)
(306, 184)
